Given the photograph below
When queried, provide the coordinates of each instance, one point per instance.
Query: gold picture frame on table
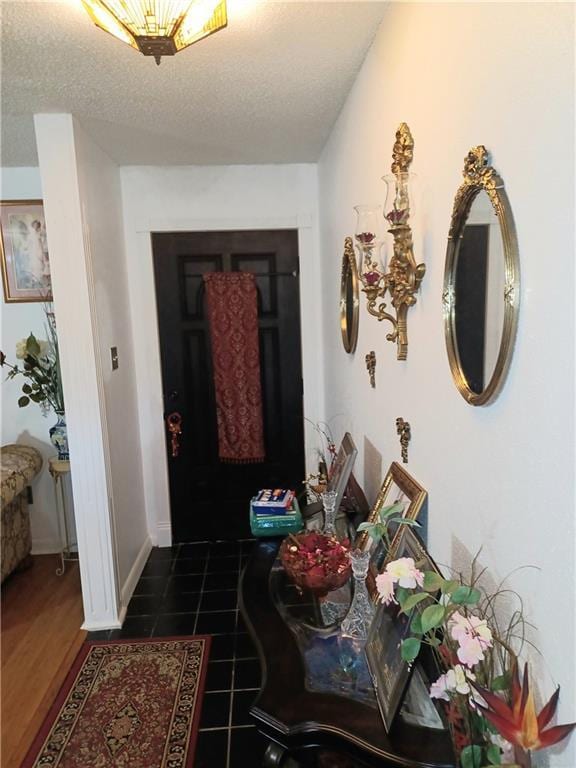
(398, 485)
(24, 251)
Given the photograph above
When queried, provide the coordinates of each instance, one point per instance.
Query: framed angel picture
(24, 251)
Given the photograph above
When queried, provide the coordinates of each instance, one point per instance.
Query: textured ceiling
(267, 89)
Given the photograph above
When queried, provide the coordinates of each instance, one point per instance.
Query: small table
(58, 468)
(307, 703)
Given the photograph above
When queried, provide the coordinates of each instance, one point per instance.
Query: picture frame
(24, 251)
(398, 485)
(390, 673)
(341, 468)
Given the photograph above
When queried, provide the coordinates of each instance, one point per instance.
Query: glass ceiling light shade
(158, 27)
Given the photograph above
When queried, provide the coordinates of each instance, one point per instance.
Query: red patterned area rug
(126, 704)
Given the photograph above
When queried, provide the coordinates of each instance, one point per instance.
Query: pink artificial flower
(438, 689)
(472, 635)
(385, 586)
(470, 651)
(404, 571)
(470, 626)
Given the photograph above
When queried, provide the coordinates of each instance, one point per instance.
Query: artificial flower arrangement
(490, 710)
(315, 561)
(40, 368)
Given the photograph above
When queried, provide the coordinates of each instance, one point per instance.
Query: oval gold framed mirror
(349, 299)
(481, 282)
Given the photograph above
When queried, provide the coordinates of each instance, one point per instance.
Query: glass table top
(333, 663)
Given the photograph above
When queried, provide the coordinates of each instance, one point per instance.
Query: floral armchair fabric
(19, 464)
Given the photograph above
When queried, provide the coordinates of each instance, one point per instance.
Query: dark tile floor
(192, 589)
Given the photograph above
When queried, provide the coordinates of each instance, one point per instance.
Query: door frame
(147, 349)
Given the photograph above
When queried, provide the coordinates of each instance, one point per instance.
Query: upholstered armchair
(20, 464)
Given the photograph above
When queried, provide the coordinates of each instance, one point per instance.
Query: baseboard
(99, 626)
(163, 535)
(133, 576)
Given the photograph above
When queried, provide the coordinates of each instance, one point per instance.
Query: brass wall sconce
(403, 277)
(404, 433)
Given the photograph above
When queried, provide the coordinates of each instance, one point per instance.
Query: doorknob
(174, 424)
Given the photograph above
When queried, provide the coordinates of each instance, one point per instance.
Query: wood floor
(40, 636)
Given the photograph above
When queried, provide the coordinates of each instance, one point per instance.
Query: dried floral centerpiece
(491, 714)
(316, 562)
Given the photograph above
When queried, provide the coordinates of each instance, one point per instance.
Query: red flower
(365, 237)
(519, 724)
(396, 216)
(371, 277)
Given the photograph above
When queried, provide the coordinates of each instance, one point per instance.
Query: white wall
(211, 198)
(83, 220)
(499, 477)
(99, 179)
(28, 425)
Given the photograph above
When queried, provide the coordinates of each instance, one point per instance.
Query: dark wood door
(209, 498)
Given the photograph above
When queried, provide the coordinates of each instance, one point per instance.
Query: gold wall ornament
(402, 279)
(403, 150)
(349, 298)
(404, 432)
(481, 282)
(371, 367)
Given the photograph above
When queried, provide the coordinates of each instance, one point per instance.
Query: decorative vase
(59, 436)
(361, 612)
(329, 505)
(315, 562)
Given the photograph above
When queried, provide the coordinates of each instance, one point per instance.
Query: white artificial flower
(457, 680)
(505, 746)
(454, 681)
(21, 349)
(404, 572)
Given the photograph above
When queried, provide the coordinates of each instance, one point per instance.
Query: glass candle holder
(369, 242)
(359, 617)
(400, 205)
(329, 505)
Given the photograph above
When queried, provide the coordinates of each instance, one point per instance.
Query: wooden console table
(302, 710)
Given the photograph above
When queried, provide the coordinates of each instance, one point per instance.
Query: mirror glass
(479, 287)
(349, 301)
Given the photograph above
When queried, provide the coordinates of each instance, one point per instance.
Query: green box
(276, 525)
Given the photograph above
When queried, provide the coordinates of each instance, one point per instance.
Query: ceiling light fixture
(158, 27)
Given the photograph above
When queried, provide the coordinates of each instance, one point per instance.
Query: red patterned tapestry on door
(232, 304)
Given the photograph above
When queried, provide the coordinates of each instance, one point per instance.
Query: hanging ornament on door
(174, 422)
